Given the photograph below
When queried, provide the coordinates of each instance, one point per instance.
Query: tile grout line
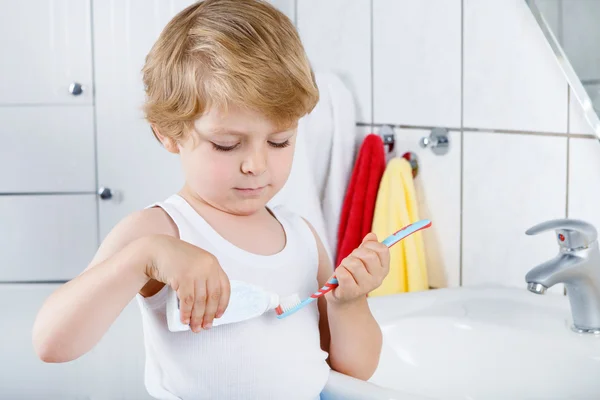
(568, 150)
(46, 193)
(484, 130)
(34, 282)
(462, 141)
(96, 174)
(568, 159)
(21, 105)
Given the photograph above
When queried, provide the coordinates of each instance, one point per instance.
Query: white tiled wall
(417, 76)
(584, 180)
(337, 38)
(511, 78)
(507, 191)
(484, 70)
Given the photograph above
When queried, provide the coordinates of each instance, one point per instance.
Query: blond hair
(216, 53)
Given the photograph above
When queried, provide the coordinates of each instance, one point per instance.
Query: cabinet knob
(75, 88)
(105, 193)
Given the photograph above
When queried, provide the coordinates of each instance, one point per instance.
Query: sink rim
(511, 306)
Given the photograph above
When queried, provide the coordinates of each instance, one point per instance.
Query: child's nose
(255, 163)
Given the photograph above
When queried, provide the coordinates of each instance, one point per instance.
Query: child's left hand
(361, 272)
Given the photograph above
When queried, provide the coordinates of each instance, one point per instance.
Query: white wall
(483, 69)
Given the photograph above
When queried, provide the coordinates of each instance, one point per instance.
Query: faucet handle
(570, 233)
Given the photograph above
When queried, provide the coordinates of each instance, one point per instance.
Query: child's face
(237, 160)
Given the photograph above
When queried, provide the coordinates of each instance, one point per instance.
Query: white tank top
(262, 358)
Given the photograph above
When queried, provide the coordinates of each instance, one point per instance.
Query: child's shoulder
(149, 221)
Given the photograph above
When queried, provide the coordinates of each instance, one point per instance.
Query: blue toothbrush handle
(404, 232)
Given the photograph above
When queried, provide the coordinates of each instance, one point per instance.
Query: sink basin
(484, 343)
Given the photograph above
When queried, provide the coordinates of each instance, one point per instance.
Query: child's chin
(249, 206)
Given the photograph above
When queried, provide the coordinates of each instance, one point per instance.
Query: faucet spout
(559, 269)
(536, 288)
(577, 265)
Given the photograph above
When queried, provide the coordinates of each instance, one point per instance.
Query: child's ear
(167, 142)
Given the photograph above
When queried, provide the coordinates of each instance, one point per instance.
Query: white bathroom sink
(484, 343)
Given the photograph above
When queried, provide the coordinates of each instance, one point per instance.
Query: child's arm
(137, 256)
(349, 331)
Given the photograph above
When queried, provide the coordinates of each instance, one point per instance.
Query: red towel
(359, 203)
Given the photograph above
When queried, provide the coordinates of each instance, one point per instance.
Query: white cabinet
(112, 370)
(46, 47)
(47, 149)
(130, 160)
(48, 211)
(46, 237)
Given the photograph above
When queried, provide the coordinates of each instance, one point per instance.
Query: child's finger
(199, 305)
(382, 251)
(369, 237)
(357, 269)
(213, 296)
(369, 258)
(185, 294)
(345, 278)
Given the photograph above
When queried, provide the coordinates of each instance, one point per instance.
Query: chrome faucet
(577, 265)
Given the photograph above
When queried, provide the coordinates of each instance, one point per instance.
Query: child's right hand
(195, 274)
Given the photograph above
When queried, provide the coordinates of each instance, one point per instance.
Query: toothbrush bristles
(287, 303)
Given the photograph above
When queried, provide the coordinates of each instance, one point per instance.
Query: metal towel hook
(438, 141)
(388, 136)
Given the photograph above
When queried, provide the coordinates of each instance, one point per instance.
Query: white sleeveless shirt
(262, 358)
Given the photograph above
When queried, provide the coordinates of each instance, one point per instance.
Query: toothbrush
(291, 304)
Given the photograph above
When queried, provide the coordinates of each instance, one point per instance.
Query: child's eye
(280, 145)
(224, 148)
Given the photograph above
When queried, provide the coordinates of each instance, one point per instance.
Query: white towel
(323, 161)
(299, 193)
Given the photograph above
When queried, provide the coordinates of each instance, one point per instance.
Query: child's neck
(205, 208)
(259, 232)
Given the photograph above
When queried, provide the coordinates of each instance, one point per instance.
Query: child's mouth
(251, 191)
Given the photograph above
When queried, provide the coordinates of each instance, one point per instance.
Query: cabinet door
(47, 149)
(130, 161)
(47, 237)
(112, 370)
(45, 47)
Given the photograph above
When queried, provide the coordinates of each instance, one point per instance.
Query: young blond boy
(226, 83)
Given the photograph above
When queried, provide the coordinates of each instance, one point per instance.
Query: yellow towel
(395, 207)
